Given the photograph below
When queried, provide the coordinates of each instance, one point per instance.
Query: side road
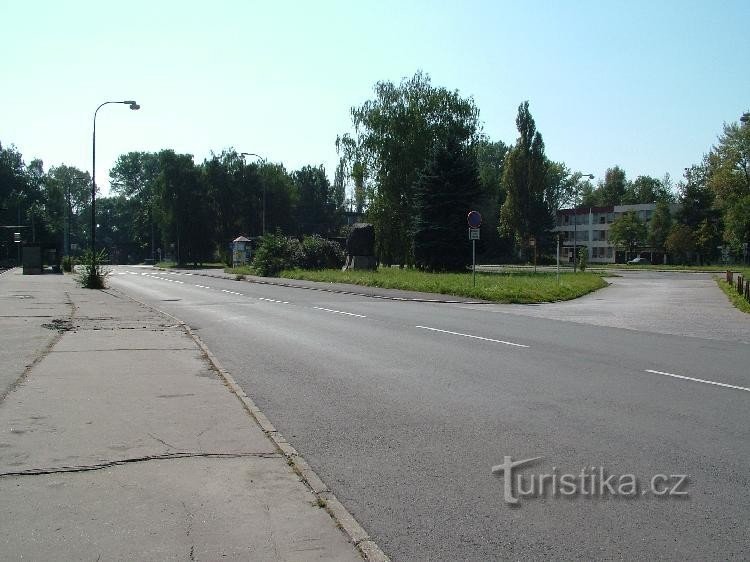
(122, 439)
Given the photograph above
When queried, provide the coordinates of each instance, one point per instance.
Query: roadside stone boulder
(360, 247)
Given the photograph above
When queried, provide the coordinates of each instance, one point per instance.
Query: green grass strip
(518, 287)
(736, 299)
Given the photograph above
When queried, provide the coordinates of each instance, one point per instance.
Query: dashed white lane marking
(156, 276)
(471, 336)
(170, 280)
(339, 312)
(272, 300)
(698, 380)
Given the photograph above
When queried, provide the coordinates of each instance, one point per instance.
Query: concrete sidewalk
(122, 441)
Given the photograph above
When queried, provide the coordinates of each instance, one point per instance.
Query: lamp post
(134, 106)
(575, 223)
(263, 218)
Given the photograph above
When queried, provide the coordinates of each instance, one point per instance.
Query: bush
(67, 263)
(92, 273)
(275, 253)
(319, 253)
(583, 258)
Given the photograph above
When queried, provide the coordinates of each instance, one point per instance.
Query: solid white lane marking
(339, 312)
(698, 380)
(471, 336)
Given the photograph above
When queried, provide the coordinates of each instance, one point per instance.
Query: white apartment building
(589, 226)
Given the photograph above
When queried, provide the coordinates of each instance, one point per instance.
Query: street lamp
(134, 106)
(263, 160)
(575, 223)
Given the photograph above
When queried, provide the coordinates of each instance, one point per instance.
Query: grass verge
(731, 292)
(174, 265)
(519, 287)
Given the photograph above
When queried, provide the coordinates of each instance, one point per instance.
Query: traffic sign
(473, 234)
(474, 219)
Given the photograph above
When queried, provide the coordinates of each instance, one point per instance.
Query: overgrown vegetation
(521, 287)
(92, 273)
(735, 298)
(68, 262)
(277, 252)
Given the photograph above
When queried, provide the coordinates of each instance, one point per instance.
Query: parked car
(639, 261)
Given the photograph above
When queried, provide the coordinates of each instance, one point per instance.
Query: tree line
(164, 205)
(415, 161)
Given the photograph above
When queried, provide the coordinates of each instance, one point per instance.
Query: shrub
(67, 263)
(319, 253)
(583, 258)
(92, 273)
(275, 253)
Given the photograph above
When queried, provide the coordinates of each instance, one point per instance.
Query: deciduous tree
(525, 211)
(627, 231)
(393, 136)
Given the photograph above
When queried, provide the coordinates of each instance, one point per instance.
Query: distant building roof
(241, 239)
(586, 209)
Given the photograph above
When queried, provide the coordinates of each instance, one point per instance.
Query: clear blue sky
(646, 85)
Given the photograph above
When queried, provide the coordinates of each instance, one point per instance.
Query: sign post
(474, 220)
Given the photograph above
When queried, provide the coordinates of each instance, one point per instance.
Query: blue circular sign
(474, 219)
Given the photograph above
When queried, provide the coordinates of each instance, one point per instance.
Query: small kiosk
(241, 251)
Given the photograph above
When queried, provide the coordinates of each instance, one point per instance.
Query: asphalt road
(403, 409)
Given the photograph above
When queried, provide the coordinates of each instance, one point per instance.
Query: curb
(328, 290)
(366, 546)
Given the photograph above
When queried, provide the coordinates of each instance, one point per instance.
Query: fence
(742, 284)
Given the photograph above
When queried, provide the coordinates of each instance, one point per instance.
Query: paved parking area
(685, 304)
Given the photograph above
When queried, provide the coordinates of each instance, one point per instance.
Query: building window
(609, 252)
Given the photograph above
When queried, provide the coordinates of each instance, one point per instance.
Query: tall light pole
(263, 161)
(575, 223)
(134, 106)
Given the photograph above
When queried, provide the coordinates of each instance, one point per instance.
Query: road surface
(404, 408)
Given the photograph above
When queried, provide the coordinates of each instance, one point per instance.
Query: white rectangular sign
(473, 234)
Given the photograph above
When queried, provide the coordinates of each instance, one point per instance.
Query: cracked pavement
(119, 441)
